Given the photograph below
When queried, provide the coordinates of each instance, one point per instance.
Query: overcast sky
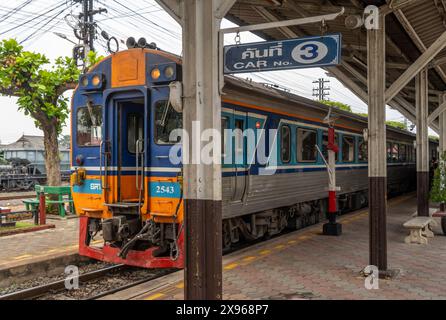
(34, 23)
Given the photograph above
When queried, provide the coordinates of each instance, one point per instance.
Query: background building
(32, 148)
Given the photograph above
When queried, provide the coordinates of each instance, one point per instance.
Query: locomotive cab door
(130, 128)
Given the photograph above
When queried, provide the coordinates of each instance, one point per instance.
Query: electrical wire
(44, 25)
(33, 19)
(15, 10)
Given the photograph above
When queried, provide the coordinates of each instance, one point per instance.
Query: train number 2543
(165, 189)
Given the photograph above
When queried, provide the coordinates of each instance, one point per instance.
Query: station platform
(307, 265)
(27, 248)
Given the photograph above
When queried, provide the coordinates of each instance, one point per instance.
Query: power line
(33, 19)
(43, 25)
(15, 10)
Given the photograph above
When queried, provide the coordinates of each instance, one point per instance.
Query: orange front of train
(126, 190)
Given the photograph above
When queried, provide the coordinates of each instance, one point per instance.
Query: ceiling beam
(416, 39)
(224, 7)
(416, 67)
(434, 115)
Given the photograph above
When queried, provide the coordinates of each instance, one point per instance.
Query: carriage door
(239, 149)
(131, 154)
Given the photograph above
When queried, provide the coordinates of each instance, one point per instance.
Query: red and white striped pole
(332, 228)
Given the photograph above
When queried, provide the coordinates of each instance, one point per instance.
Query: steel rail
(129, 285)
(38, 291)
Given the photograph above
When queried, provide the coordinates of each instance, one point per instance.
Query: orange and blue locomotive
(128, 193)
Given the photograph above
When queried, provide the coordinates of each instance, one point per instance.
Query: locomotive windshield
(166, 120)
(89, 124)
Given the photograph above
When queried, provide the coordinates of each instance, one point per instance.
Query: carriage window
(395, 151)
(285, 144)
(306, 144)
(348, 149)
(135, 131)
(403, 153)
(89, 126)
(363, 150)
(166, 120)
(324, 146)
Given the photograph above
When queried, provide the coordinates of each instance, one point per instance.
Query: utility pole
(320, 92)
(87, 26)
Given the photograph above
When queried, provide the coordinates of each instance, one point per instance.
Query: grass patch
(19, 225)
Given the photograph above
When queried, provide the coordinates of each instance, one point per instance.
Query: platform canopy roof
(412, 26)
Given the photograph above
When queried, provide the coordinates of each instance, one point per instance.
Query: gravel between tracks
(40, 280)
(114, 280)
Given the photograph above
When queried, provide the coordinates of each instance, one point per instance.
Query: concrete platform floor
(307, 265)
(27, 248)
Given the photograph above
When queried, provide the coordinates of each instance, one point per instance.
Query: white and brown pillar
(377, 145)
(201, 21)
(421, 102)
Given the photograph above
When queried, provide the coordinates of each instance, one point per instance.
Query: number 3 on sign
(309, 52)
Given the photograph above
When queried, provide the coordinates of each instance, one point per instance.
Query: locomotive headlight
(92, 81)
(169, 72)
(156, 73)
(96, 80)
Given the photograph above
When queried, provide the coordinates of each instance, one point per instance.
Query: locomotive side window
(89, 125)
(306, 144)
(363, 150)
(166, 120)
(135, 131)
(348, 149)
(324, 146)
(285, 144)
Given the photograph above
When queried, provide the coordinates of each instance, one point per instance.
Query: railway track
(92, 285)
(38, 291)
(17, 196)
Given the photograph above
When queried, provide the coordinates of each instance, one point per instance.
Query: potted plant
(438, 191)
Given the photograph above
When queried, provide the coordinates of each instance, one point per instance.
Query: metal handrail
(139, 143)
(100, 164)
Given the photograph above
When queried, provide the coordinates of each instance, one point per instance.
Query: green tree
(39, 88)
(337, 104)
(438, 191)
(397, 124)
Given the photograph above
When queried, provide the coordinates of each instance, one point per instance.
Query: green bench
(63, 195)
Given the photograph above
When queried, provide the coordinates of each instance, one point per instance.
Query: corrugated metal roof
(411, 27)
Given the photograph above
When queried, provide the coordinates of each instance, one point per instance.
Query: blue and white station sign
(307, 52)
